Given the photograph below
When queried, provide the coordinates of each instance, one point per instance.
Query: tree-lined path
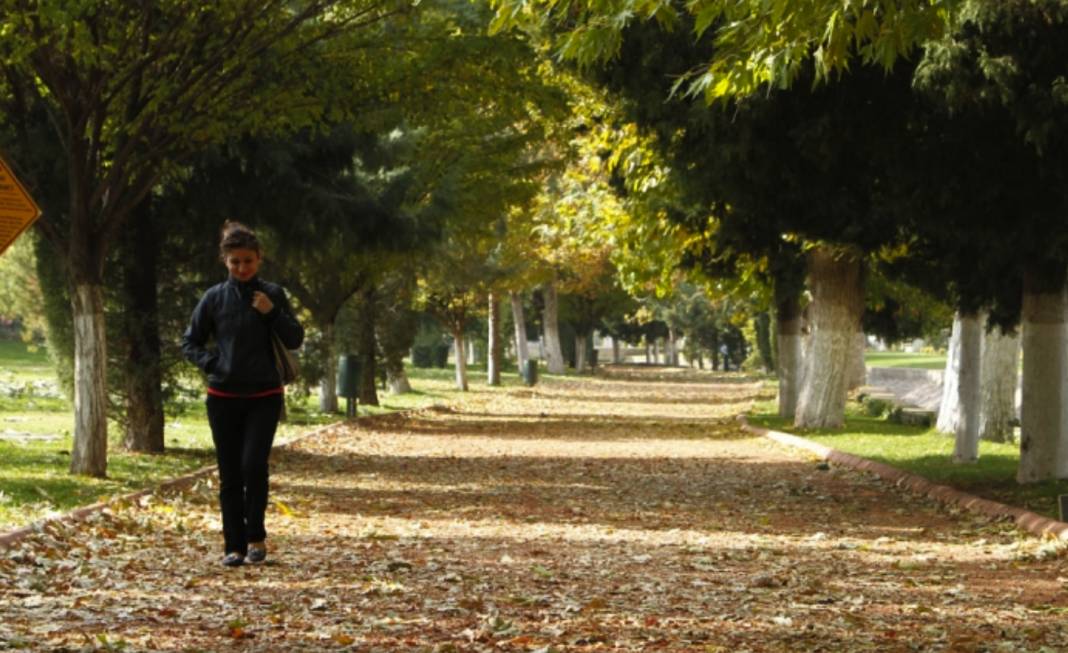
(627, 512)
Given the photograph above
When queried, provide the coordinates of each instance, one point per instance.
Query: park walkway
(626, 513)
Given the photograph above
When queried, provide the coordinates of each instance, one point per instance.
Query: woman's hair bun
(236, 235)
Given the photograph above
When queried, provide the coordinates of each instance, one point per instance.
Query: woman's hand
(261, 302)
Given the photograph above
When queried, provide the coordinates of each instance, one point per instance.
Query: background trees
(132, 90)
(413, 156)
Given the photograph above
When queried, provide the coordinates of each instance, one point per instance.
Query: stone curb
(10, 538)
(1024, 519)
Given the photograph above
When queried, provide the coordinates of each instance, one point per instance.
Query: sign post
(17, 209)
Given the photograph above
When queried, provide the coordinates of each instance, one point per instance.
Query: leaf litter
(624, 512)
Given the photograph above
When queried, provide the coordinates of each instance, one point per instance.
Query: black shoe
(257, 553)
(233, 560)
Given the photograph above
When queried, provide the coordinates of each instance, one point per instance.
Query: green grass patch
(17, 354)
(902, 359)
(34, 481)
(928, 453)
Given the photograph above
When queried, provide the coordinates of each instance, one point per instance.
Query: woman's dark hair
(237, 236)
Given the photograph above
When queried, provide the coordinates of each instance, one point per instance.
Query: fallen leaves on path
(606, 514)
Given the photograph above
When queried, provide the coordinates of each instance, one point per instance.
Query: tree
(1002, 98)
(768, 175)
(135, 89)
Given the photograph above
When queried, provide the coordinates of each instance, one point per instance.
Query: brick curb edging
(78, 514)
(1024, 519)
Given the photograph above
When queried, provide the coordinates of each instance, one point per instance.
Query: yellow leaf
(284, 509)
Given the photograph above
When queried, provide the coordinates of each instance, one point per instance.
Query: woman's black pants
(243, 431)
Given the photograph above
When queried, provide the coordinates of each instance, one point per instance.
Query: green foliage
(877, 407)
(55, 307)
(760, 45)
(989, 157)
(20, 291)
(896, 311)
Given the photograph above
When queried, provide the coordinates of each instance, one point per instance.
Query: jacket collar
(244, 288)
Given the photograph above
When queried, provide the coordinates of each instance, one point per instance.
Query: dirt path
(624, 514)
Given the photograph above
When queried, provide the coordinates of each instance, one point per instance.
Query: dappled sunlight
(523, 519)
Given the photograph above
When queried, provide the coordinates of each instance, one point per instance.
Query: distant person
(245, 391)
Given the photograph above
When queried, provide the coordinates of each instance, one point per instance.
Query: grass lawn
(903, 359)
(928, 453)
(36, 423)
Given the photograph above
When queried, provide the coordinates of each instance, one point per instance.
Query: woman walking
(245, 392)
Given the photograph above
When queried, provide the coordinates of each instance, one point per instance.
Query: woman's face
(243, 264)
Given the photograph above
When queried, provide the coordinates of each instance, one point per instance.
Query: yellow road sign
(17, 208)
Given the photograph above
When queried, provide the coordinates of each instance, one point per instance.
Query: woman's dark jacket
(242, 360)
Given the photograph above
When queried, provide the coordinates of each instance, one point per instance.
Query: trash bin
(530, 372)
(348, 375)
(348, 381)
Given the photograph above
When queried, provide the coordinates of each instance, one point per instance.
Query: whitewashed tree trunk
(397, 381)
(656, 351)
(580, 353)
(1043, 418)
(89, 455)
(790, 365)
(672, 349)
(648, 353)
(1000, 375)
(836, 283)
(458, 340)
(617, 351)
(554, 354)
(966, 445)
(496, 346)
(858, 373)
(328, 385)
(518, 317)
(949, 407)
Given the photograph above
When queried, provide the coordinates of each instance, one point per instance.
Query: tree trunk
(368, 346)
(949, 407)
(496, 346)
(672, 352)
(656, 351)
(461, 361)
(617, 351)
(966, 447)
(89, 453)
(1043, 445)
(580, 353)
(143, 378)
(328, 385)
(648, 353)
(398, 382)
(518, 317)
(554, 353)
(1000, 373)
(762, 326)
(836, 282)
(858, 373)
(788, 318)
